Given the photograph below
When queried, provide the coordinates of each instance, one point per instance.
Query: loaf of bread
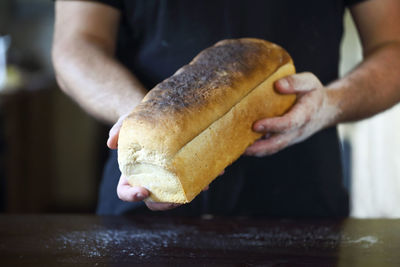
(191, 126)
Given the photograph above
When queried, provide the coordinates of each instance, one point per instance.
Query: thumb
(298, 83)
(112, 141)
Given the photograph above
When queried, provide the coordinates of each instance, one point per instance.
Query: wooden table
(87, 240)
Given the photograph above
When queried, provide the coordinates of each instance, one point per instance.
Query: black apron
(157, 37)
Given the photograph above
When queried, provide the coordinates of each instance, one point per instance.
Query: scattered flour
(365, 241)
(99, 243)
(144, 243)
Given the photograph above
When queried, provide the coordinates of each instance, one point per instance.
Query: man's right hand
(129, 193)
(125, 191)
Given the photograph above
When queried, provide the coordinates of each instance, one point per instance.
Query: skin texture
(83, 58)
(371, 87)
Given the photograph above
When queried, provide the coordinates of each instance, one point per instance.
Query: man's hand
(125, 191)
(129, 193)
(373, 86)
(311, 113)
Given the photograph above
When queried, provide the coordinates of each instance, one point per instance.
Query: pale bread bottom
(164, 186)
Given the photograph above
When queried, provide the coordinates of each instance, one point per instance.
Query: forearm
(370, 88)
(88, 73)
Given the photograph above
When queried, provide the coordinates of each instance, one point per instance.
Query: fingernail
(112, 131)
(139, 196)
(260, 128)
(284, 84)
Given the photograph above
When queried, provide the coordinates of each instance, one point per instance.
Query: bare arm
(83, 57)
(370, 88)
(375, 84)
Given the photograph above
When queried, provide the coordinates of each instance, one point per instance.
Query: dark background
(51, 152)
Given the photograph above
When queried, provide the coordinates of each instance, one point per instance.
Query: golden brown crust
(204, 90)
(183, 107)
(203, 158)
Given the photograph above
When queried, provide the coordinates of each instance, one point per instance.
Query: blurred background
(52, 153)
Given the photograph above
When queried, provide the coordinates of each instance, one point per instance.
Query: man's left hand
(311, 113)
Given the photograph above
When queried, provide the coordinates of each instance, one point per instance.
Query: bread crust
(198, 121)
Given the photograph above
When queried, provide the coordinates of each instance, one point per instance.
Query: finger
(113, 135)
(296, 117)
(298, 83)
(264, 147)
(273, 125)
(157, 206)
(129, 193)
(112, 141)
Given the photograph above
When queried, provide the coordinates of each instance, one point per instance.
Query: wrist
(333, 106)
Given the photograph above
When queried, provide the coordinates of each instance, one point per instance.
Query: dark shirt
(156, 37)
